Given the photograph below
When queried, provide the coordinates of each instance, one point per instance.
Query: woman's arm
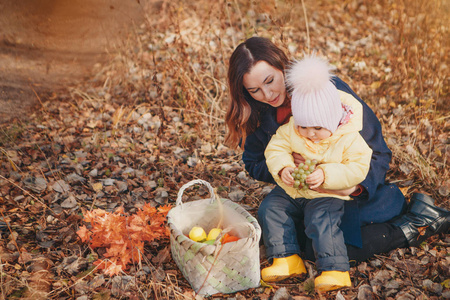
(253, 156)
(346, 192)
(373, 136)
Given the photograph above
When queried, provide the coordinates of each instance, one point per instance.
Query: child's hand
(315, 179)
(298, 158)
(286, 176)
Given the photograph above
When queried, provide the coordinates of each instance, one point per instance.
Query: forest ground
(150, 118)
(48, 45)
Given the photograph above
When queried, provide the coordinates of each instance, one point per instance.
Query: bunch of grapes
(301, 172)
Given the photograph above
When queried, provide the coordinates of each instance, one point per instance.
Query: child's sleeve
(278, 152)
(354, 166)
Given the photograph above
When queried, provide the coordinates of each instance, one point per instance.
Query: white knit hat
(315, 100)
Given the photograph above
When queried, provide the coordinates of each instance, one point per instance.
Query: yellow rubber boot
(332, 280)
(283, 268)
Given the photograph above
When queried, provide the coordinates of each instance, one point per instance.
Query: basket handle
(191, 183)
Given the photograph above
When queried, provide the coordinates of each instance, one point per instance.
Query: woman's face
(266, 84)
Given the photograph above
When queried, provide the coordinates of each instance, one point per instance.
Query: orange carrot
(228, 238)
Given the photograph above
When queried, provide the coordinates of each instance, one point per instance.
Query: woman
(377, 221)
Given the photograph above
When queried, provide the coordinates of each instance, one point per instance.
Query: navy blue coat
(381, 201)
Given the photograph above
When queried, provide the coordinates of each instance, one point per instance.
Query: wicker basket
(216, 268)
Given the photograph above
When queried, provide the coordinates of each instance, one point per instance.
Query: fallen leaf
(98, 186)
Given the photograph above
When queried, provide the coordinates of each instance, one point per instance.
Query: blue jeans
(281, 216)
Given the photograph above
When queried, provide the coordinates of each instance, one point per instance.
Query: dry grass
(179, 59)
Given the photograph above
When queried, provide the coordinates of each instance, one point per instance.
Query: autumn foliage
(123, 235)
(151, 118)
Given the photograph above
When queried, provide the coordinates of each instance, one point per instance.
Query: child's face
(315, 134)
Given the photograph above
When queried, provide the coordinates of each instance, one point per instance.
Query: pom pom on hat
(309, 74)
(315, 100)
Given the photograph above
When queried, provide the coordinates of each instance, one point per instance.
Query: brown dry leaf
(97, 187)
(404, 190)
(39, 285)
(444, 190)
(162, 256)
(375, 85)
(25, 257)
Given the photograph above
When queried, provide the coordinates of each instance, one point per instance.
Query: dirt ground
(47, 45)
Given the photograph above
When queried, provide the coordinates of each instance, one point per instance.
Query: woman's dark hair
(242, 117)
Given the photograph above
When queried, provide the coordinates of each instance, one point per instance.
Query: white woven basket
(216, 268)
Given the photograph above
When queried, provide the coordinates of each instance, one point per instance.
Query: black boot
(422, 220)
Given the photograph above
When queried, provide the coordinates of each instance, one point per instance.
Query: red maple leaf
(84, 233)
(123, 235)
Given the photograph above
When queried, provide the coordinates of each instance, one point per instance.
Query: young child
(324, 127)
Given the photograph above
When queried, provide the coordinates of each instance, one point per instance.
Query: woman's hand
(315, 179)
(286, 176)
(346, 192)
(298, 158)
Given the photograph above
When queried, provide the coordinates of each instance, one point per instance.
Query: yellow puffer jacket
(344, 156)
